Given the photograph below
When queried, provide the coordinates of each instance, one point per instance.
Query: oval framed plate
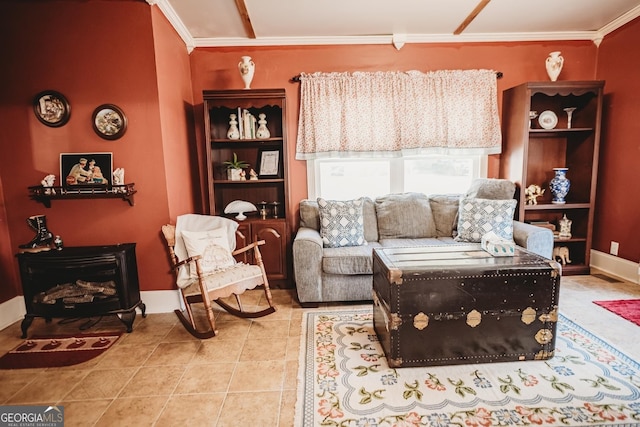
(548, 119)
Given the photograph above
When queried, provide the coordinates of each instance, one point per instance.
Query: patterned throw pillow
(341, 223)
(212, 245)
(477, 217)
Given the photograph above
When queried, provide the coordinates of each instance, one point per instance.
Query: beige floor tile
(174, 353)
(260, 376)
(287, 408)
(101, 384)
(259, 409)
(264, 328)
(264, 349)
(293, 348)
(217, 350)
(149, 381)
(134, 411)
(84, 413)
(192, 410)
(15, 380)
(48, 386)
(206, 378)
(121, 356)
(290, 381)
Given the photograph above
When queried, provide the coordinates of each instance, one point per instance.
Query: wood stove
(82, 281)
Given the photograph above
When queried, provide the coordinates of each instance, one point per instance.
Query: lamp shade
(240, 207)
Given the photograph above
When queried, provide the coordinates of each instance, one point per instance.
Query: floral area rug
(344, 381)
(56, 351)
(628, 309)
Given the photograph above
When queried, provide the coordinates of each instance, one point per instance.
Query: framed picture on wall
(79, 170)
(269, 163)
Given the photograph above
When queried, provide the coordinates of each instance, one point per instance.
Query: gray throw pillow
(445, 213)
(406, 215)
(341, 223)
(476, 217)
(491, 188)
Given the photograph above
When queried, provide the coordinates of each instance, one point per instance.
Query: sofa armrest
(307, 264)
(535, 239)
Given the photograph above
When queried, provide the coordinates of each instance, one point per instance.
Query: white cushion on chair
(196, 222)
(227, 281)
(212, 245)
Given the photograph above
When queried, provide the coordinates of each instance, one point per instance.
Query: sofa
(332, 256)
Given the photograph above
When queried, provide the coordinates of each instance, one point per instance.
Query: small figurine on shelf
(118, 179)
(233, 132)
(263, 131)
(57, 243)
(532, 193)
(561, 252)
(253, 175)
(565, 228)
(48, 181)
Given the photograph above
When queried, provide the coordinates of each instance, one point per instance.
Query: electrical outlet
(614, 248)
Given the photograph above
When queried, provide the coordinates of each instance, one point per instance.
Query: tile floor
(159, 375)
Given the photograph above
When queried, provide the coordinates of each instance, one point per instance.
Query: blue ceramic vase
(559, 185)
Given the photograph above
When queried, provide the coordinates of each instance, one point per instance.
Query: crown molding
(175, 21)
(619, 22)
(388, 39)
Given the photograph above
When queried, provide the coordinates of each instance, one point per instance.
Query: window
(344, 179)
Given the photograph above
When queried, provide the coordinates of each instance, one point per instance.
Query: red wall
(618, 206)
(216, 68)
(94, 53)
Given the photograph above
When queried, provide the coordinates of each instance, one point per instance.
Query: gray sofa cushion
(406, 215)
(445, 213)
(349, 260)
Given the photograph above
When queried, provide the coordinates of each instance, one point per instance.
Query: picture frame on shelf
(109, 121)
(51, 108)
(269, 163)
(86, 170)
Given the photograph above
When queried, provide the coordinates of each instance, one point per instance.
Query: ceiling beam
(246, 21)
(471, 17)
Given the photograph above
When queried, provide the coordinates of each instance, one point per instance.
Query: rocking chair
(202, 250)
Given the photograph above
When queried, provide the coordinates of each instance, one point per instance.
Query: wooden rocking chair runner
(199, 286)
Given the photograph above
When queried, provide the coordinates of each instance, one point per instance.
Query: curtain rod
(296, 79)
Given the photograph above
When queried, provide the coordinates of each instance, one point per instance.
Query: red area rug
(55, 351)
(626, 308)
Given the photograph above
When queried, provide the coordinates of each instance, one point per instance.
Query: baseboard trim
(14, 309)
(615, 266)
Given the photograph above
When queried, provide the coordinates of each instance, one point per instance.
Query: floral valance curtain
(398, 113)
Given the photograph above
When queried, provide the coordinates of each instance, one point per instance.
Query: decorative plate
(109, 121)
(548, 119)
(51, 108)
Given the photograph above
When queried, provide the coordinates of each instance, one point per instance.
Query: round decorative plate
(51, 108)
(548, 119)
(109, 121)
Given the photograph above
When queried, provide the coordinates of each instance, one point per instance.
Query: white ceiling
(203, 23)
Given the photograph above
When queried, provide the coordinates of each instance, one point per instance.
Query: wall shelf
(45, 195)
